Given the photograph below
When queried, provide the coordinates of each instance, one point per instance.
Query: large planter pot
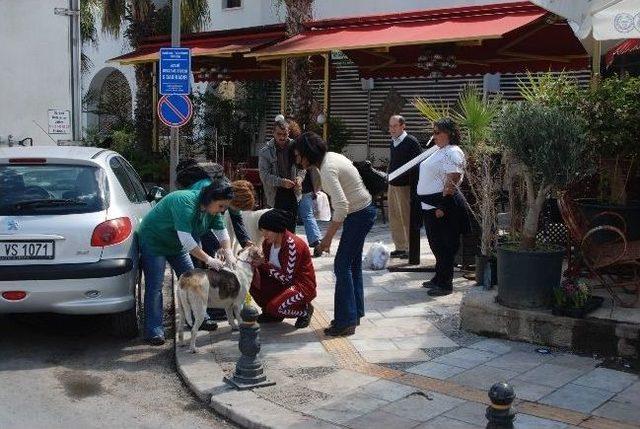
(526, 278)
(484, 263)
(631, 214)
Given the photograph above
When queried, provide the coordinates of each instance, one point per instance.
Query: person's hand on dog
(229, 258)
(214, 263)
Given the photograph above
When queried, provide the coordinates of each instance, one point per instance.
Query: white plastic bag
(321, 207)
(377, 257)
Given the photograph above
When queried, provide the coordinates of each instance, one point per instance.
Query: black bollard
(500, 414)
(249, 373)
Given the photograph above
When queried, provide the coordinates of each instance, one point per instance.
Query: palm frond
(195, 15)
(529, 86)
(113, 13)
(475, 115)
(430, 110)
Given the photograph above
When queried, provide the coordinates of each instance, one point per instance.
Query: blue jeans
(153, 268)
(349, 295)
(305, 211)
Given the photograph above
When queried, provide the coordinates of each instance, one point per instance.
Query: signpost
(175, 110)
(175, 71)
(174, 80)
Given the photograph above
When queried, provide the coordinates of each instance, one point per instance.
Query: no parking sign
(175, 110)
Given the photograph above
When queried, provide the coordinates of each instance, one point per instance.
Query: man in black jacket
(404, 147)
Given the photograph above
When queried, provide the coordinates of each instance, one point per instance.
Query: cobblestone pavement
(410, 366)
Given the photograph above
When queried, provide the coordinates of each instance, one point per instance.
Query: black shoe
(304, 321)
(333, 331)
(439, 291)
(430, 284)
(267, 318)
(158, 340)
(333, 322)
(317, 252)
(314, 244)
(217, 314)
(400, 254)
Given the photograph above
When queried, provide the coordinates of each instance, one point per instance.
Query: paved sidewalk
(408, 366)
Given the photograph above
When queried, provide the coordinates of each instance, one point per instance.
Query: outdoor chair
(605, 250)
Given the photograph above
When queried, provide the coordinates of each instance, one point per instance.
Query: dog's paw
(193, 350)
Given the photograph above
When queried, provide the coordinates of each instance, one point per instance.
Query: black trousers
(444, 239)
(286, 200)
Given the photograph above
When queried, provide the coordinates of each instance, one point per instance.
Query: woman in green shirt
(167, 234)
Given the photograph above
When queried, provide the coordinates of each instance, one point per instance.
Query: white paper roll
(415, 161)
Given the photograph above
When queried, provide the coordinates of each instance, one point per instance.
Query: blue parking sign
(175, 71)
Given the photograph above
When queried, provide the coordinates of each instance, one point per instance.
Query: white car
(68, 217)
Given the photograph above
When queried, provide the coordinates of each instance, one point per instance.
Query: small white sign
(59, 121)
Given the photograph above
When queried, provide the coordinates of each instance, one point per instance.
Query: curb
(203, 376)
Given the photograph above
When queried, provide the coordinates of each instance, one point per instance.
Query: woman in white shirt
(354, 212)
(444, 207)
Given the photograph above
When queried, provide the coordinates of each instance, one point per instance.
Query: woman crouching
(286, 282)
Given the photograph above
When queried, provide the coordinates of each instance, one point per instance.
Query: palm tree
(142, 19)
(298, 83)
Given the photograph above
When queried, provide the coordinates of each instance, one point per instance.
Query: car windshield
(51, 189)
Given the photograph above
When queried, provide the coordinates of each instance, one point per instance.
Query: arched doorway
(109, 102)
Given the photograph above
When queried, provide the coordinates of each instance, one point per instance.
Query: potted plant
(549, 145)
(475, 115)
(573, 298)
(611, 110)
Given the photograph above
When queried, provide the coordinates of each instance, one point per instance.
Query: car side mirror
(155, 194)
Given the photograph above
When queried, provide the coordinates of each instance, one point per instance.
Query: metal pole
(283, 86)
(175, 134)
(327, 87)
(76, 73)
(154, 131)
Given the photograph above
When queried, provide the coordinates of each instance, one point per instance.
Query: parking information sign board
(175, 110)
(175, 71)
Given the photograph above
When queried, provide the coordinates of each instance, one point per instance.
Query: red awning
(629, 45)
(465, 24)
(221, 44)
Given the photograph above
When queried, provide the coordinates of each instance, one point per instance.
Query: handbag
(374, 180)
(321, 207)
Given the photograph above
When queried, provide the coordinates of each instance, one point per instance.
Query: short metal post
(500, 414)
(249, 373)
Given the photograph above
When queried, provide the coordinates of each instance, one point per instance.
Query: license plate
(27, 250)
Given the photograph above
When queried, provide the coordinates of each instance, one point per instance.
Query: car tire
(127, 323)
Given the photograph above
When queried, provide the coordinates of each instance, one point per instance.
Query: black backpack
(374, 180)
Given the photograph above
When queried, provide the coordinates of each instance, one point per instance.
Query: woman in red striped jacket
(285, 283)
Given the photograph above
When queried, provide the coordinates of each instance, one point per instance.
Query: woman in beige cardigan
(354, 211)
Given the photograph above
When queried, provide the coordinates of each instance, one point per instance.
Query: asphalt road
(67, 372)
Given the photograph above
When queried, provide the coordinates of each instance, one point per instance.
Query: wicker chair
(606, 252)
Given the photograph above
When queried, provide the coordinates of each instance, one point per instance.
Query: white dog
(377, 257)
(250, 220)
(226, 289)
